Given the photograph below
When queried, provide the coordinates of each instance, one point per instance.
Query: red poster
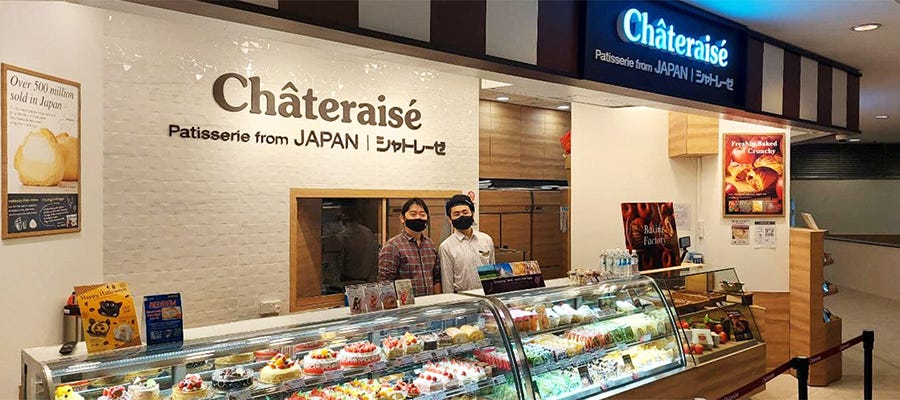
(650, 229)
(753, 175)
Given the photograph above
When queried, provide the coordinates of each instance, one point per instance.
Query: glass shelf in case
(425, 351)
(595, 340)
(714, 317)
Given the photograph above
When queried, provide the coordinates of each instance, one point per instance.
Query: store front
(216, 156)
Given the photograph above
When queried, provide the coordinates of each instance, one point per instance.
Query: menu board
(41, 153)
(507, 277)
(753, 174)
(163, 318)
(108, 316)
(650, 230)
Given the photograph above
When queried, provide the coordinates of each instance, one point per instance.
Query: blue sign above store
(667, 49)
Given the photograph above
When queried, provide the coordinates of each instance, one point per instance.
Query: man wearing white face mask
(465, 250)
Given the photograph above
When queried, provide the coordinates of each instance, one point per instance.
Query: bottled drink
(635, 268)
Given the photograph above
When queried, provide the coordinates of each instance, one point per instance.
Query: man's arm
(446, 263)
(388, 261)
(436, 271)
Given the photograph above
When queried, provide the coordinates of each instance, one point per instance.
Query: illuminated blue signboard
(666, 48)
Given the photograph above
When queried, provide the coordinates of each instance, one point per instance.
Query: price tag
(422, 357)
(333, 375)
(622, 346)
(540, 369)
(405, 360)
(378, 366)
(239, 395)
(471, 387)
(441, 353)
(440, 395)
(467, 347)
(499, 380)
(646, 338)
(291, 386)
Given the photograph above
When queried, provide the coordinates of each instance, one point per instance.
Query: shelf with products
(714, 319)
(386, 353)
(623, 333)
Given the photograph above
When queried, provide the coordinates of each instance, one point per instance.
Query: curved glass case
(423, 351)
(595, 340)
(714, 317)
(558, 342)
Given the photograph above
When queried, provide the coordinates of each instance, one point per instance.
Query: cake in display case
(558, 342)
(593, 341)
(714, 317)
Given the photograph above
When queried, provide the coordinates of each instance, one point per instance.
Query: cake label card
(163, 319)
(334, 375)
(471, 387)
(41, 154)
(243, 394)
(499, 380)
(108, 316)
(585, 376)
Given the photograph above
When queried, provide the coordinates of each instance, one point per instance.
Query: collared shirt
(460, 258)
(402, 258)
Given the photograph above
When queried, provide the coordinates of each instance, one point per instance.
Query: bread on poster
(40, 160)
(70, 148)
(774, 162)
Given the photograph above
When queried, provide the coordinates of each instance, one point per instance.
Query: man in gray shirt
(465, 249)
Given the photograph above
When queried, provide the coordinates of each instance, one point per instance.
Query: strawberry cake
(393, 347)
(280, 369)
(318, 362)
(115, 393)
(191, 387)
(411, 343)
(359, 355)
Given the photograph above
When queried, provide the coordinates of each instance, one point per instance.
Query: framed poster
(41, 154)
(650, 230)
(753, 175)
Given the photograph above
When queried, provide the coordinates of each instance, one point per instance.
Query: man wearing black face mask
(466, 249)
(411, 254)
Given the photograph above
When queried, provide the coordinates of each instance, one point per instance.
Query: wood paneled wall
(519, 142)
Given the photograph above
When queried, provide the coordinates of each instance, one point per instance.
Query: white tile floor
(859, 311)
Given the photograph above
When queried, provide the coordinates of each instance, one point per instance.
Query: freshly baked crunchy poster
(41, 149)
(753, 175)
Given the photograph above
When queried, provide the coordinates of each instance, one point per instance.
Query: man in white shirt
(465, 249)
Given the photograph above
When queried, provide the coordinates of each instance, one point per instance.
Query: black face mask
(463, 222)
(416, 225)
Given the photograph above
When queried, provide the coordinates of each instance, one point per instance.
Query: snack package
(388, 295)
(355, 299)
(404, 292)
(109, 317)
(372, 297)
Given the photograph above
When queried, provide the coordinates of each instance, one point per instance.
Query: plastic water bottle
(635, 269)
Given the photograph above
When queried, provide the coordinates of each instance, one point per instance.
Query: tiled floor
(859, 311)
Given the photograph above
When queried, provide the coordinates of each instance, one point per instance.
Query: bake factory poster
(753, 175)
(650, 229)
(41, 147)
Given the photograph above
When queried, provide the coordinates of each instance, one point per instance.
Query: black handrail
(801, 367)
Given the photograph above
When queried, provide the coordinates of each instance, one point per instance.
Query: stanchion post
(868, 344)
(801, 365)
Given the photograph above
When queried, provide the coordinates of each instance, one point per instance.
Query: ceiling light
(563, 107)
(854, 140)
(881, 117)
(866, 27)
(502, 98)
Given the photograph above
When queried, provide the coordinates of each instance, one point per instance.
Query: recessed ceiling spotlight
(866, 27)
(502, 98)
(881, 117)
(563, 107)
(854, 140)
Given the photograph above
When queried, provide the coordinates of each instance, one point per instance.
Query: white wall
(620, 155)
(211, 219)
(763, 270)
(850, 206)
(867, 268)
(39, 273)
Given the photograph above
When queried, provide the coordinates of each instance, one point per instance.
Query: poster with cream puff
(41, 152)
(753, 175)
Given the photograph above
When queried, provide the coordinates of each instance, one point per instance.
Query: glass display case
(558, 342)
(714, 317)
(593, 341)
(426, 351)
